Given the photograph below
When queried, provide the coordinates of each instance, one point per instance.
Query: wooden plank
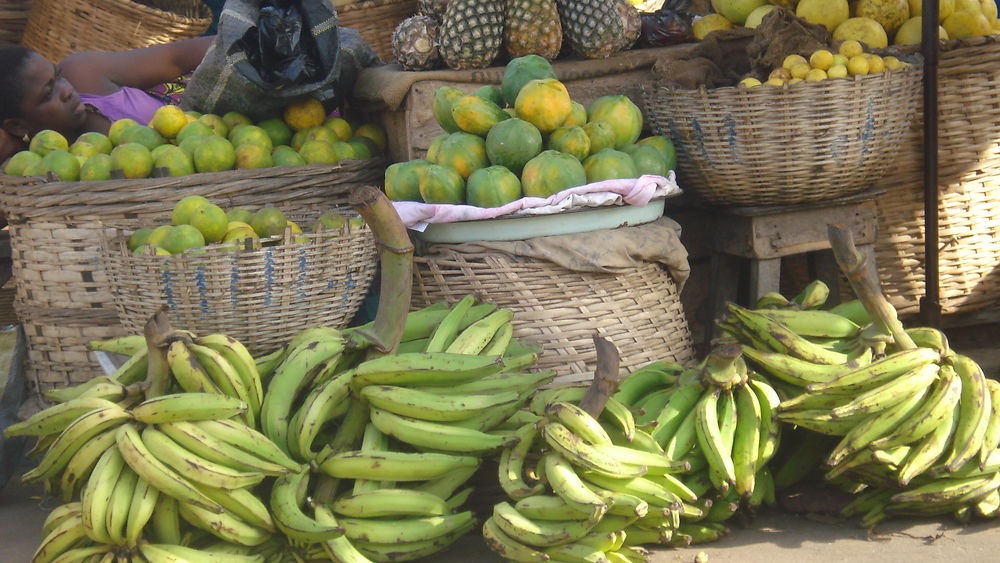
(765, 276)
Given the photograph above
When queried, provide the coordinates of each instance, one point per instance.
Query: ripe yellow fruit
(775, 82)
(839, 60)
(168, 121)
(780, 74)
(800, 70)
(961, 25)
(945, 8)
(828, 13)
(891, 63)
(850, 48)
(890, 14)
(749, 82)
(911, 32)
(737, 11)
(707, 24)
(875, 63)
(794, 81)
(865, 30)
(815, 75)
(857, 65)
(304, 114)
(755, 17)
(967, 6)
(821, 59)
(792, 60)
(989, 9)
(837, 71)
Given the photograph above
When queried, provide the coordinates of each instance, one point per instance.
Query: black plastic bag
(282, 54)
(669, 25)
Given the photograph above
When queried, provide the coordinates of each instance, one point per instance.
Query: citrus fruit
(63, 165)
(361, 148)
(402, 180)
(279, 131)
(83, 148)
(158, 235)
(46, 141)
(175, 160)
(20, 162)
(889, 14)
(837, 71)
(821, 59)
(850, 48)
(285, 155)
(239, 214)
(191, 143)
(194, 129)
(214, 154)
(234, 118)
(828, 13)
(239, 236)
(945, 8)
(792, 60)
(215, 123)
(237, 225)
(863, 29)
(340, 126)
(441, 184)
(251, 135)
(815, 75)
(145, 136)
(168, 121)
(709, 23)
(963, 24)
(320, 133)
(119, 127)
(756, 16)
(35, 169)
(492, 186)
(737, 11)
(318, 152)
(857, 65)
(210, 220)
(156, 152)
(343, 150)
(749, 82)
(102, 142)
(133, 159)
(268, 222)
(298, 139)
(544, 103)
(150, 250)
(97, 167)
(253, 156)
(192, 115)
(181, 238)
(911, 31)
(328, 221)
(137, 238)
(185, 208)
(304, 114)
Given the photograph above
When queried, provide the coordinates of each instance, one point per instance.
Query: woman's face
(50, 101)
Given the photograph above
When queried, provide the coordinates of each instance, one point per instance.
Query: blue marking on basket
(199, 278)
(301, 278)
(699, 137)
(731, 126)
(349, 284)
(234, 285)
(168, 289)
(268, 276)
(869, 129)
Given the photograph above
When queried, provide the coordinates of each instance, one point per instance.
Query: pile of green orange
(526, 137)
(177, 143)
(197, 222)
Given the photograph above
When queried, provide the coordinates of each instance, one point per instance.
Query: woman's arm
(103, 73)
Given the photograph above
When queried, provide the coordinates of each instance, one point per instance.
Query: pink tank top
(127, 102)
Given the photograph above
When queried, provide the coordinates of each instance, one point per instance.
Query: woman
(86, 91)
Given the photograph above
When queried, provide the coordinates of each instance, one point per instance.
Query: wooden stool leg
(828, 271)
(765, 276)
(723, 287)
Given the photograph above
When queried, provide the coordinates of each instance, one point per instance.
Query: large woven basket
(969, 184)
(259, 296)
(375, 20)
(811, 141)
(13, 17)
(63, 289)
(561, 309)
(57, 28)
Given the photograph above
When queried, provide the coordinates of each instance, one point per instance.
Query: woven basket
(969, 184)
(57, 28)
(560, 309)
(57, 227)
(259, 297)
(375, 20)
(13, 17)
(812, 141)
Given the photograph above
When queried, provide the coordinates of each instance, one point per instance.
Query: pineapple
(533, 28)
(631, 22)
(471, 33)
(592, 28)
(415, 43)
(434, 8)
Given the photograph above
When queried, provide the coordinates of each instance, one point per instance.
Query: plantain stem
(396, 260)
(158, 370)
(606, 377)
(860, 271)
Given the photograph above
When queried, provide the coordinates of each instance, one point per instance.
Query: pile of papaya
(526, 138)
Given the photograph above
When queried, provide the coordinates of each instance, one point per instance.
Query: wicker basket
(779, 146)
(259, 297)
(57, 228)
(969, 184)
(560, 309)
(57, 28)
(13, 17)
(375, 20)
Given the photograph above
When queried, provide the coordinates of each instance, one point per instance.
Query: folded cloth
(632, 191)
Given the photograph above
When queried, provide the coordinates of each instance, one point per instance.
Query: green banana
(430, 406)
(813, 295)
(227, 379)
(194, 467)
(682, 401)
(711, 441)
(877, 372)
(393, 466)
(435, 435)
(746, 442)
(538, 533)
(568, 486)
(288, 515)
(474, 338)
(431, 369)
(928, 337)
(794, 370)
(96, 497)
(140, 511)
(579, 422)
(73, 437)
(933, 413)
(237, 355)
(548, 507)
(187, 406)
(448, 328)
(193, 438)
(67, 535)
(57, 417)
(991, 436)
(444, 486)
(223, 525)
(403, 530)
(101, 386)
(581, 454)
(187, 371)
(411, 550)
(338, 549)
(780, 338)
(891, 393)
(318, 408)
(241, 503)
(975, 410)
(507, 547)
(497, 346)
(645, 380)
(853, 310)
(875, 426)
(816, 324)
(247, 439)
(390, 502)
(510, 471)
(125, 345)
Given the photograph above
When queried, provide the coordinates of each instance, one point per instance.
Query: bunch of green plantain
(915, 427)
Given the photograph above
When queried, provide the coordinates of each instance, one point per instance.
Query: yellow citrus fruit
(850, 48)
(912, 30)
(828, 13)
(20, 162)
(97, 167)
(214, 154)
(279, 131)
(361, 148)
(343, 150)
(964, 24)
(237, 224)
(150, 250)
(185, 208)
(268, 222)
(857, 65)
(158, 235)
(775, 82)
(239, 237)
(181, 238)
(320, 133)
(373, 132)
(875, 63)
(792, 60)
(63, 165)
(239, 214)
(46, 141)
(119, 127)
(175, 160)
(193, 129)
(284, 155)
(251, 135)
(318, 152)
(815, 75)
(891, 63)
(755, 17)
(83, 148)
(839, 59)
(216, 124)
(168, 121)
(137, 238)
(253, 156)
(749, 82)
(794, 81)
(945, 8)
(328, 221)
(102, 142)
(145, 136)
(780, 73)
(800, 70)
(340, 126)
(304, 114)
(234, 118)
(821, 59)
(863, 29)
(210, 220)
(709, 23)
(133, 159)
(837, 71)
